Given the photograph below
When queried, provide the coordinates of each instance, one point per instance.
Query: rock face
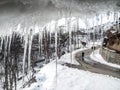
(111, 46)
(114, 42)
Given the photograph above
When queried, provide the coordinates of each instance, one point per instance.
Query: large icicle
(10, 37)
(39, 43)
(1, 43)
(18, 28)
(70, 43)
(25, 51)
(93, 34)
(101, 27)
(29, 49)
(50, 32)
(56, 45)
(77, 31)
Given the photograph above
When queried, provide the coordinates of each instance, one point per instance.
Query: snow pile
(72, 79)
(97, 57)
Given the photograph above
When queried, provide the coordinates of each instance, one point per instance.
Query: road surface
(93, 66)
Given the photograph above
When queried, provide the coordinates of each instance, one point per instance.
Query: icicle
(102, 30)
(56, 45)
(50, 37)
(93, 35)
(50, 32)
(43, 36)
(66, 25)
(29, 49)
(2, 39)
(7, 42)
(10, 37)
(97, 27)
(89, 30)
(50, 40)
(39, 42)
(76, 34)
(25, 51)
(46, 39)
(77, 31)
(18, 27)
(70, 43)
(86, 20)
(74, 37)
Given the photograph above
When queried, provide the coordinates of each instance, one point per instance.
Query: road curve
(93, 66)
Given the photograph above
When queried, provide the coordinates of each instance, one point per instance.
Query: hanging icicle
(25, 51)
(70, 41)
(78, 44)
(50, 32)
(39, 42)
(56, 37)
(30, 38)
(93, 35)
(1, 43)
(10, 37)
(50, 39)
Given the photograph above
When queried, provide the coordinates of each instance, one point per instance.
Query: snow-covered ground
(71, 79)
(97, 57)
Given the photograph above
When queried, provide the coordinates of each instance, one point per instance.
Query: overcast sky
(29, 12)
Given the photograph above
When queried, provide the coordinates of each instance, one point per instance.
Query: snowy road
(96, 67)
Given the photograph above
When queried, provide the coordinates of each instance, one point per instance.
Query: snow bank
(97, 57)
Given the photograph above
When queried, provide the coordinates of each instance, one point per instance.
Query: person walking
(83, 56)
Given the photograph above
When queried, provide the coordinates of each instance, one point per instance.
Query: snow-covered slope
(72, 79)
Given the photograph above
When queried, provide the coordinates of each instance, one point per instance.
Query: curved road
(93, 66)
